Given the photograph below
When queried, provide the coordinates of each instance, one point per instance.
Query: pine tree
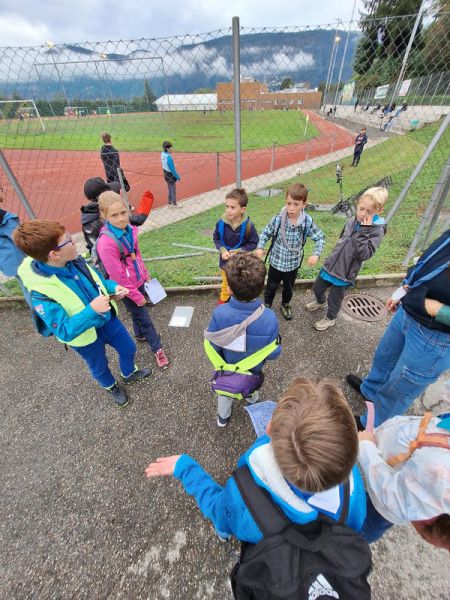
(149, 97)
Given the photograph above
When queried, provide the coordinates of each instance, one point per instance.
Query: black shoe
(222, 422)
(354, 382)
(137, 375)
(286, 312)
(140, 338)
(118, 395)
(359, 425)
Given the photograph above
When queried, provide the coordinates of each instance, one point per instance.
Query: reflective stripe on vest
(244, 365)
(56, 290)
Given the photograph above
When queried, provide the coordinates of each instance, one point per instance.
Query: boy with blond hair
(360, 237)
(291, 463)
(289, 230)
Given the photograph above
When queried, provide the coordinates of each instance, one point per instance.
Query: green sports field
(188, 131)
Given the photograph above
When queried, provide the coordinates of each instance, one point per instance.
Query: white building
(187, 102)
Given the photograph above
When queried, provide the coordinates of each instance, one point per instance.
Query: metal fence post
(444, 185)
(237, 96)
(16, 185)
(124, 191)
(272, 162)
(419, 167)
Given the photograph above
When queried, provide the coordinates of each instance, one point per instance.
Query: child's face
(117, 215)
(233, 209)
(366, 209)
(65, 250)
(294, 207)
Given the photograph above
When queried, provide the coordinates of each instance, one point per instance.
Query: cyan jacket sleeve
(443, 315)
(109, 284)
(63, 326)
(171, 166)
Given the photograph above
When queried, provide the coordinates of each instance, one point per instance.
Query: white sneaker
(314, 305)
(253, 398)
(324, 324)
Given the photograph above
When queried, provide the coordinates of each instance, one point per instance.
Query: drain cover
(365, 308)
(269, 192)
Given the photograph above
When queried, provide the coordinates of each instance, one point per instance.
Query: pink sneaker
(161, 359)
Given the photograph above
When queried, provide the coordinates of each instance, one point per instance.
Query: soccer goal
(23, 110)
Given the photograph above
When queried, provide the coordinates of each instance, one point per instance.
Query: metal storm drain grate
(365, 308)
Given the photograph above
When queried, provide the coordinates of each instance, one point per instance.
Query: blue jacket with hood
(226, 509)
(11, 256)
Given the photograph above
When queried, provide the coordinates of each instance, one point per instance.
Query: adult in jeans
(415, 348)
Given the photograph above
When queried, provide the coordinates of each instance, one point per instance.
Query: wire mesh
(306, 93)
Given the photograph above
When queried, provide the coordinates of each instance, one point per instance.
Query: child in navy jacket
(245, 275)
(234, 232)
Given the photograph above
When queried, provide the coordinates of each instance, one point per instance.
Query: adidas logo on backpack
(321, 587)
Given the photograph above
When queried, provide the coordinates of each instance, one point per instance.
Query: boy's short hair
(106, 200)
(38, 238)
(245, 275)
(167, 145)
(240, 195)
(298, 192)
(377, 195)
(95, 186)
(106, 137)
(313, 435)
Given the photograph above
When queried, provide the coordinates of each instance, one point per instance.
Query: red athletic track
(53, 179)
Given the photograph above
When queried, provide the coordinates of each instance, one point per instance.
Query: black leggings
(274, 278)
(335, 295)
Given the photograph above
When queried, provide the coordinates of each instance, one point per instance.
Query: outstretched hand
(312, 260)
(165, 465)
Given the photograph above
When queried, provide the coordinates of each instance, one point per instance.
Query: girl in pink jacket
(117, 248)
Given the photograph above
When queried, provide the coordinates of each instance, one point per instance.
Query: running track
(53, 179)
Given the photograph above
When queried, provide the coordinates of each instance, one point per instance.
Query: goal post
(25, 109)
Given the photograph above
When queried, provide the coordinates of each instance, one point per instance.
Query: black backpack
(322, 559)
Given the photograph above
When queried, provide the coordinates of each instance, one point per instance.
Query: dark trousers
(115, 335)
(274, 278)
(335, 295)
(142, 323)
(172, 195)
(356, 158)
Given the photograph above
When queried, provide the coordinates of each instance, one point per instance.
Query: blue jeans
(114, 334)
(375, 525)
(409, 357)
(142, 323)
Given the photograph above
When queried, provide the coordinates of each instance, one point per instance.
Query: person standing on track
(170, 173)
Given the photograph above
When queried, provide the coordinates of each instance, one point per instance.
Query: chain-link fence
(305, 95)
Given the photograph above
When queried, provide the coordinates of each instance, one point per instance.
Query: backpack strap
(437, 440)
(116, 240)
(246, 364)
(273, 239)
(267, 515)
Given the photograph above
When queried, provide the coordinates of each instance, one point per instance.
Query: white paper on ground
(260, 415)
(155, 291)
(181, 316)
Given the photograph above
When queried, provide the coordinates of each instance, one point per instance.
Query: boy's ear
(269, 427)
(229, 290)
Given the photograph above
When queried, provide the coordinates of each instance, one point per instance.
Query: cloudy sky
(33, 22)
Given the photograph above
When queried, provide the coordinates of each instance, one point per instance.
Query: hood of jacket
(243, 218)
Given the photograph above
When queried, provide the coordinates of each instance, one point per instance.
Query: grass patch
(396, 157)
(189, 131)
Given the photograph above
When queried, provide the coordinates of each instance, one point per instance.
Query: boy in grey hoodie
(358, 242)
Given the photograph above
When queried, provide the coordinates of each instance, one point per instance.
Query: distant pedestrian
(170, 173)
(111, 161)
(360, 142)
(356, 104)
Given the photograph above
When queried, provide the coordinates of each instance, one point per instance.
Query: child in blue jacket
(309, 451)
(235, 339)
(234, 232)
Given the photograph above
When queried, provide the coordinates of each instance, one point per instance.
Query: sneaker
(314, 305)
(140, 338)
(221, 422)
(286, 311)
(324, 324)
(359, 425)
(137, 375)
(118, 395)
(354, 382)
(161, 359)
(253, 398)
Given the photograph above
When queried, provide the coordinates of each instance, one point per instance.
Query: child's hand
(100, 304)
(367, 221)
(367, 436)
(121, 292)
(225, 255)
(392, 305)
(312, 260)
(432, 306)
(259, 253)
(142, 302)
(162, 466)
